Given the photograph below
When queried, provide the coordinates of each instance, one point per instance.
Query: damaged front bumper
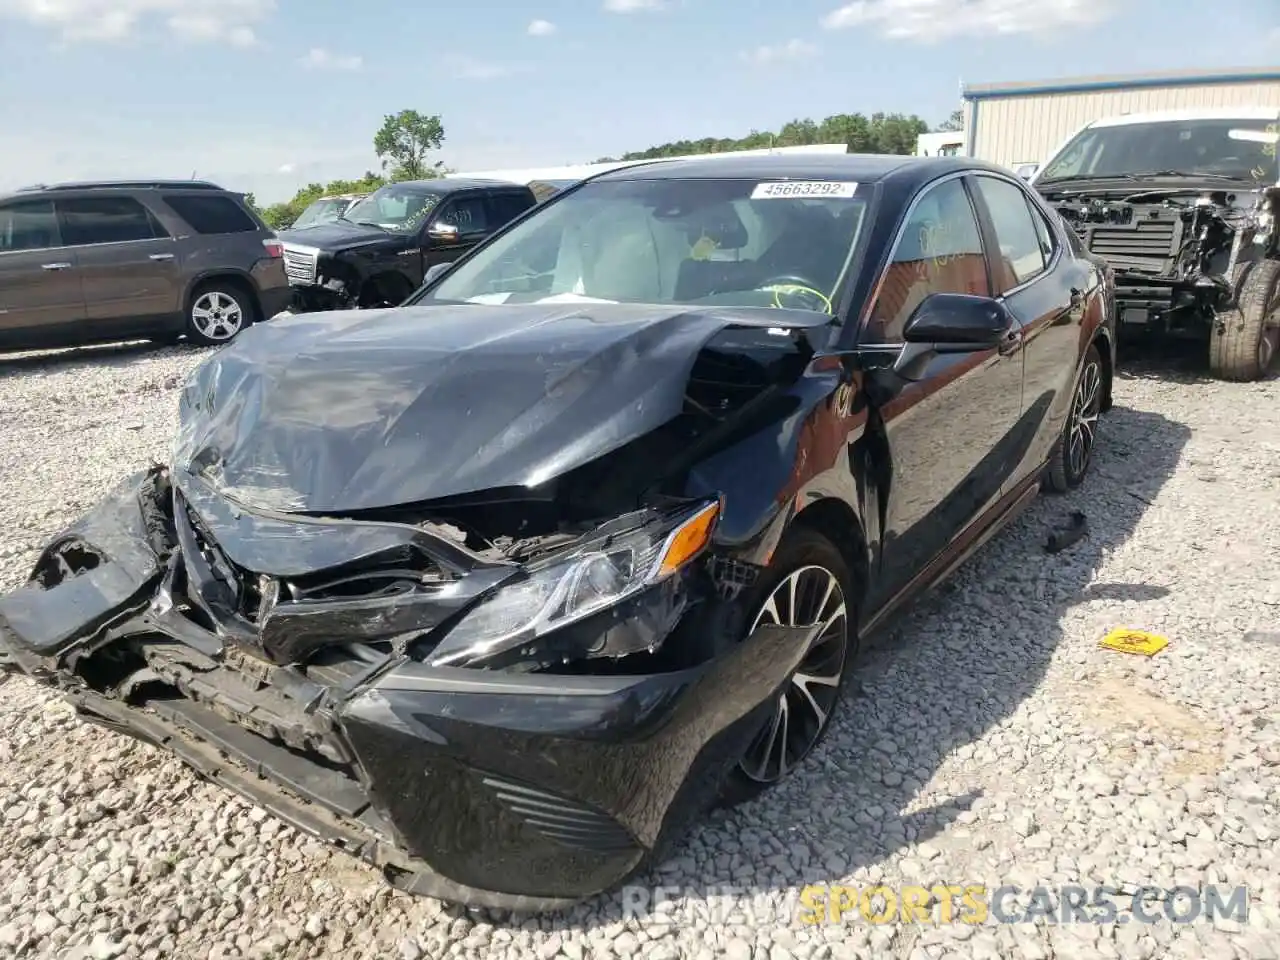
(525, 790)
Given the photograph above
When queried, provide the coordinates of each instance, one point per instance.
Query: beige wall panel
(1025, 129)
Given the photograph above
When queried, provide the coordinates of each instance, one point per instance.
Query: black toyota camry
(498, 589)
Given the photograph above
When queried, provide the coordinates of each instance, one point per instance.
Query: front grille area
(1147, 245)
(300, 265)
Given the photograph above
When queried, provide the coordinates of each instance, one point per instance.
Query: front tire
(1245, 340)
(1073, 453)
(218, 312)
(807, 583)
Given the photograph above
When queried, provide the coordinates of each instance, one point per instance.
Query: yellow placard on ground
(1140, 642)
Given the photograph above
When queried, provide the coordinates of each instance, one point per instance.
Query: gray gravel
(992, 740)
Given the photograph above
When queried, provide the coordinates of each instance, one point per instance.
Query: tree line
(405, 139)
(401, 143)
(878, 133)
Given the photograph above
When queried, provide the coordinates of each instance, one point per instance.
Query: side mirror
(444, 232)
(1028, 170)
(959, 323)
(434, 271)
(952, 323)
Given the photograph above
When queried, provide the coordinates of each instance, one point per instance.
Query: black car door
(949, 431)
(457, 225)
(1044, 286)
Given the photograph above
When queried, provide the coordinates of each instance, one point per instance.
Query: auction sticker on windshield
(803, 190)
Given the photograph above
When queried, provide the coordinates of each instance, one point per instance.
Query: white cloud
(781, 52)
(927, 21)
(633, 6)
(318, 58)
(286, 168)
(203, 21)
(541, 28)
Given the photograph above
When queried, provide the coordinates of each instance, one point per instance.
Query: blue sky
(265, 95)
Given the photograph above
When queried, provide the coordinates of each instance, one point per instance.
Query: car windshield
(714, 242)
(322, 211)
(1239, 149)
(395, 207)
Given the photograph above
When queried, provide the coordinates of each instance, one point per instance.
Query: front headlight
(569, 587)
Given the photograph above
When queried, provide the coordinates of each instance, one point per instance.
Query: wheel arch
(230, 275)
(1106, 350)
(836, 520)
(389, 282)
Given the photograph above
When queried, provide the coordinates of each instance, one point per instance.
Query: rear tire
(1073, 453)
(1245, 339)
(218, 312)
(824, 593)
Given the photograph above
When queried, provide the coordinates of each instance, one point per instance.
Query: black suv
(93, 262)
(378, 252)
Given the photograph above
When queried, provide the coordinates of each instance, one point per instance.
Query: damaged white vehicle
(1183, 207)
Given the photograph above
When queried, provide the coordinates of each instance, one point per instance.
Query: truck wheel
(1245, 340)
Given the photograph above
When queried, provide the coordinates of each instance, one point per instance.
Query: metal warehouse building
(1017, 123)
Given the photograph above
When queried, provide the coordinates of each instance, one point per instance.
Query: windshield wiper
(1189, 174)
(1088, 176)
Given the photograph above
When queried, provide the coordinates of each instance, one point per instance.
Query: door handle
(56, 266)
(162, 256)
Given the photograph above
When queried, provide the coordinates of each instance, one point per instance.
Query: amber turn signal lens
(689, 539)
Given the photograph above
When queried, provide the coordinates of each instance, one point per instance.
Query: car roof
(1197, 113)
(454, 184)
(122, 185)
(859, 167)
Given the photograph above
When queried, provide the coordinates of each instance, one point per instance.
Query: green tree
(953, 122)
(403, 143)
(880, 133)
(279, 216)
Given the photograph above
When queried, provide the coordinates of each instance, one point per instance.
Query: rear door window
(507, 206)
(211, 213)
(29, 225)
(1021, 256)
(94, 220)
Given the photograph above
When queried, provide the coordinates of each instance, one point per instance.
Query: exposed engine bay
(1176, 252)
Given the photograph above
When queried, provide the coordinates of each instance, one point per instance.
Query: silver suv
(158, 259)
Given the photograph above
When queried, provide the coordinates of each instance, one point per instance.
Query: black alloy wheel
(807, 585)
(1074, 452)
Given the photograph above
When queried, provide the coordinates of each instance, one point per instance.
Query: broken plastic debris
(1140, 642)
(1077, 526)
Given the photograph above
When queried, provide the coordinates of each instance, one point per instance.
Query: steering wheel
(800, 294)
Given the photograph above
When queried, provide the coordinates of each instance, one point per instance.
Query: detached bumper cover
(524, 791)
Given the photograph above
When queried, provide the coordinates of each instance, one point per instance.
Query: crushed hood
(357, 410)
(335, 234)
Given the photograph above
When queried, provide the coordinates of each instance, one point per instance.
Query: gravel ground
(992, 740)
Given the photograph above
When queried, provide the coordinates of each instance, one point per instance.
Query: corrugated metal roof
(1176, 78)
